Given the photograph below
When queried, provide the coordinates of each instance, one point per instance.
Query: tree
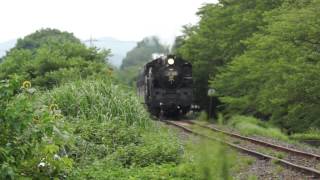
(45, 36)
(219, 36)
(49, 57)
(277, 77)
(142, 53)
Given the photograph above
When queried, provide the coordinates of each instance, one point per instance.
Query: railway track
(290, 158)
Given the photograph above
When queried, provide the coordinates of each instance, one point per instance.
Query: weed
(278, 169)
(236, 142)
(220, 119)
(312, 134)
(280, 155)
(213, 161)
(253, 126)
(203, 116)
(252, 177)
(249, 161)
(275, 161)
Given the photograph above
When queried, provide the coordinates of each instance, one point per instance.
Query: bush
(32, 136)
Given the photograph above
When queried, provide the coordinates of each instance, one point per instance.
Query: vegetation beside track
(253, 126)
(63, 115)
(261, 57)
(301, 160)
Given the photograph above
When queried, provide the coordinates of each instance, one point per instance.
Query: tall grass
(220, 119)
(203, 116)
(211, 160)
(214, 163)
(112, 129)
(312, 134)
(100, 100)
(252, 126)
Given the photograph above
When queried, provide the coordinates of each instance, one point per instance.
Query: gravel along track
(267, 156)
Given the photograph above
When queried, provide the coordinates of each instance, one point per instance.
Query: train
(165, 86)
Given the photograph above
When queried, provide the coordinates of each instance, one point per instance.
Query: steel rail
(263, 143)
(259, 155)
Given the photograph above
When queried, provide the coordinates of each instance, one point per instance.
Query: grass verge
(252, 126)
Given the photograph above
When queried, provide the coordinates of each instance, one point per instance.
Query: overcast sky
(121, 19)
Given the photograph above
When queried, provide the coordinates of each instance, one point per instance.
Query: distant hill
(5, 46)
(119, 48)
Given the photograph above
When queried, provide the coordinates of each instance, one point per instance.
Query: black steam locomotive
(165, 86)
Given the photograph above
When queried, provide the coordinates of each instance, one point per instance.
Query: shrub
(32, 136)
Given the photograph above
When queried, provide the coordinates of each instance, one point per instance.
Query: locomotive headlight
(171, 61)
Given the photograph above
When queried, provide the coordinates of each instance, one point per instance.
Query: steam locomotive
(165, 86)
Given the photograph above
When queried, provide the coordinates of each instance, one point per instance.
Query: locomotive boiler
(165, 86)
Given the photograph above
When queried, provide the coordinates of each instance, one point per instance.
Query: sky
(129, 20)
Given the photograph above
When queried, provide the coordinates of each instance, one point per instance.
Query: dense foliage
(31, 134)
(85, 120)
(73, 127)
(261, 56)
(278, 75)
(217, 39)
(45, 36)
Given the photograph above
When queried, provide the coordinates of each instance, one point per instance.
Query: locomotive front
(168, 87)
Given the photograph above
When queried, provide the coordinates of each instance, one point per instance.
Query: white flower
(56, 157)
(41, 165)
